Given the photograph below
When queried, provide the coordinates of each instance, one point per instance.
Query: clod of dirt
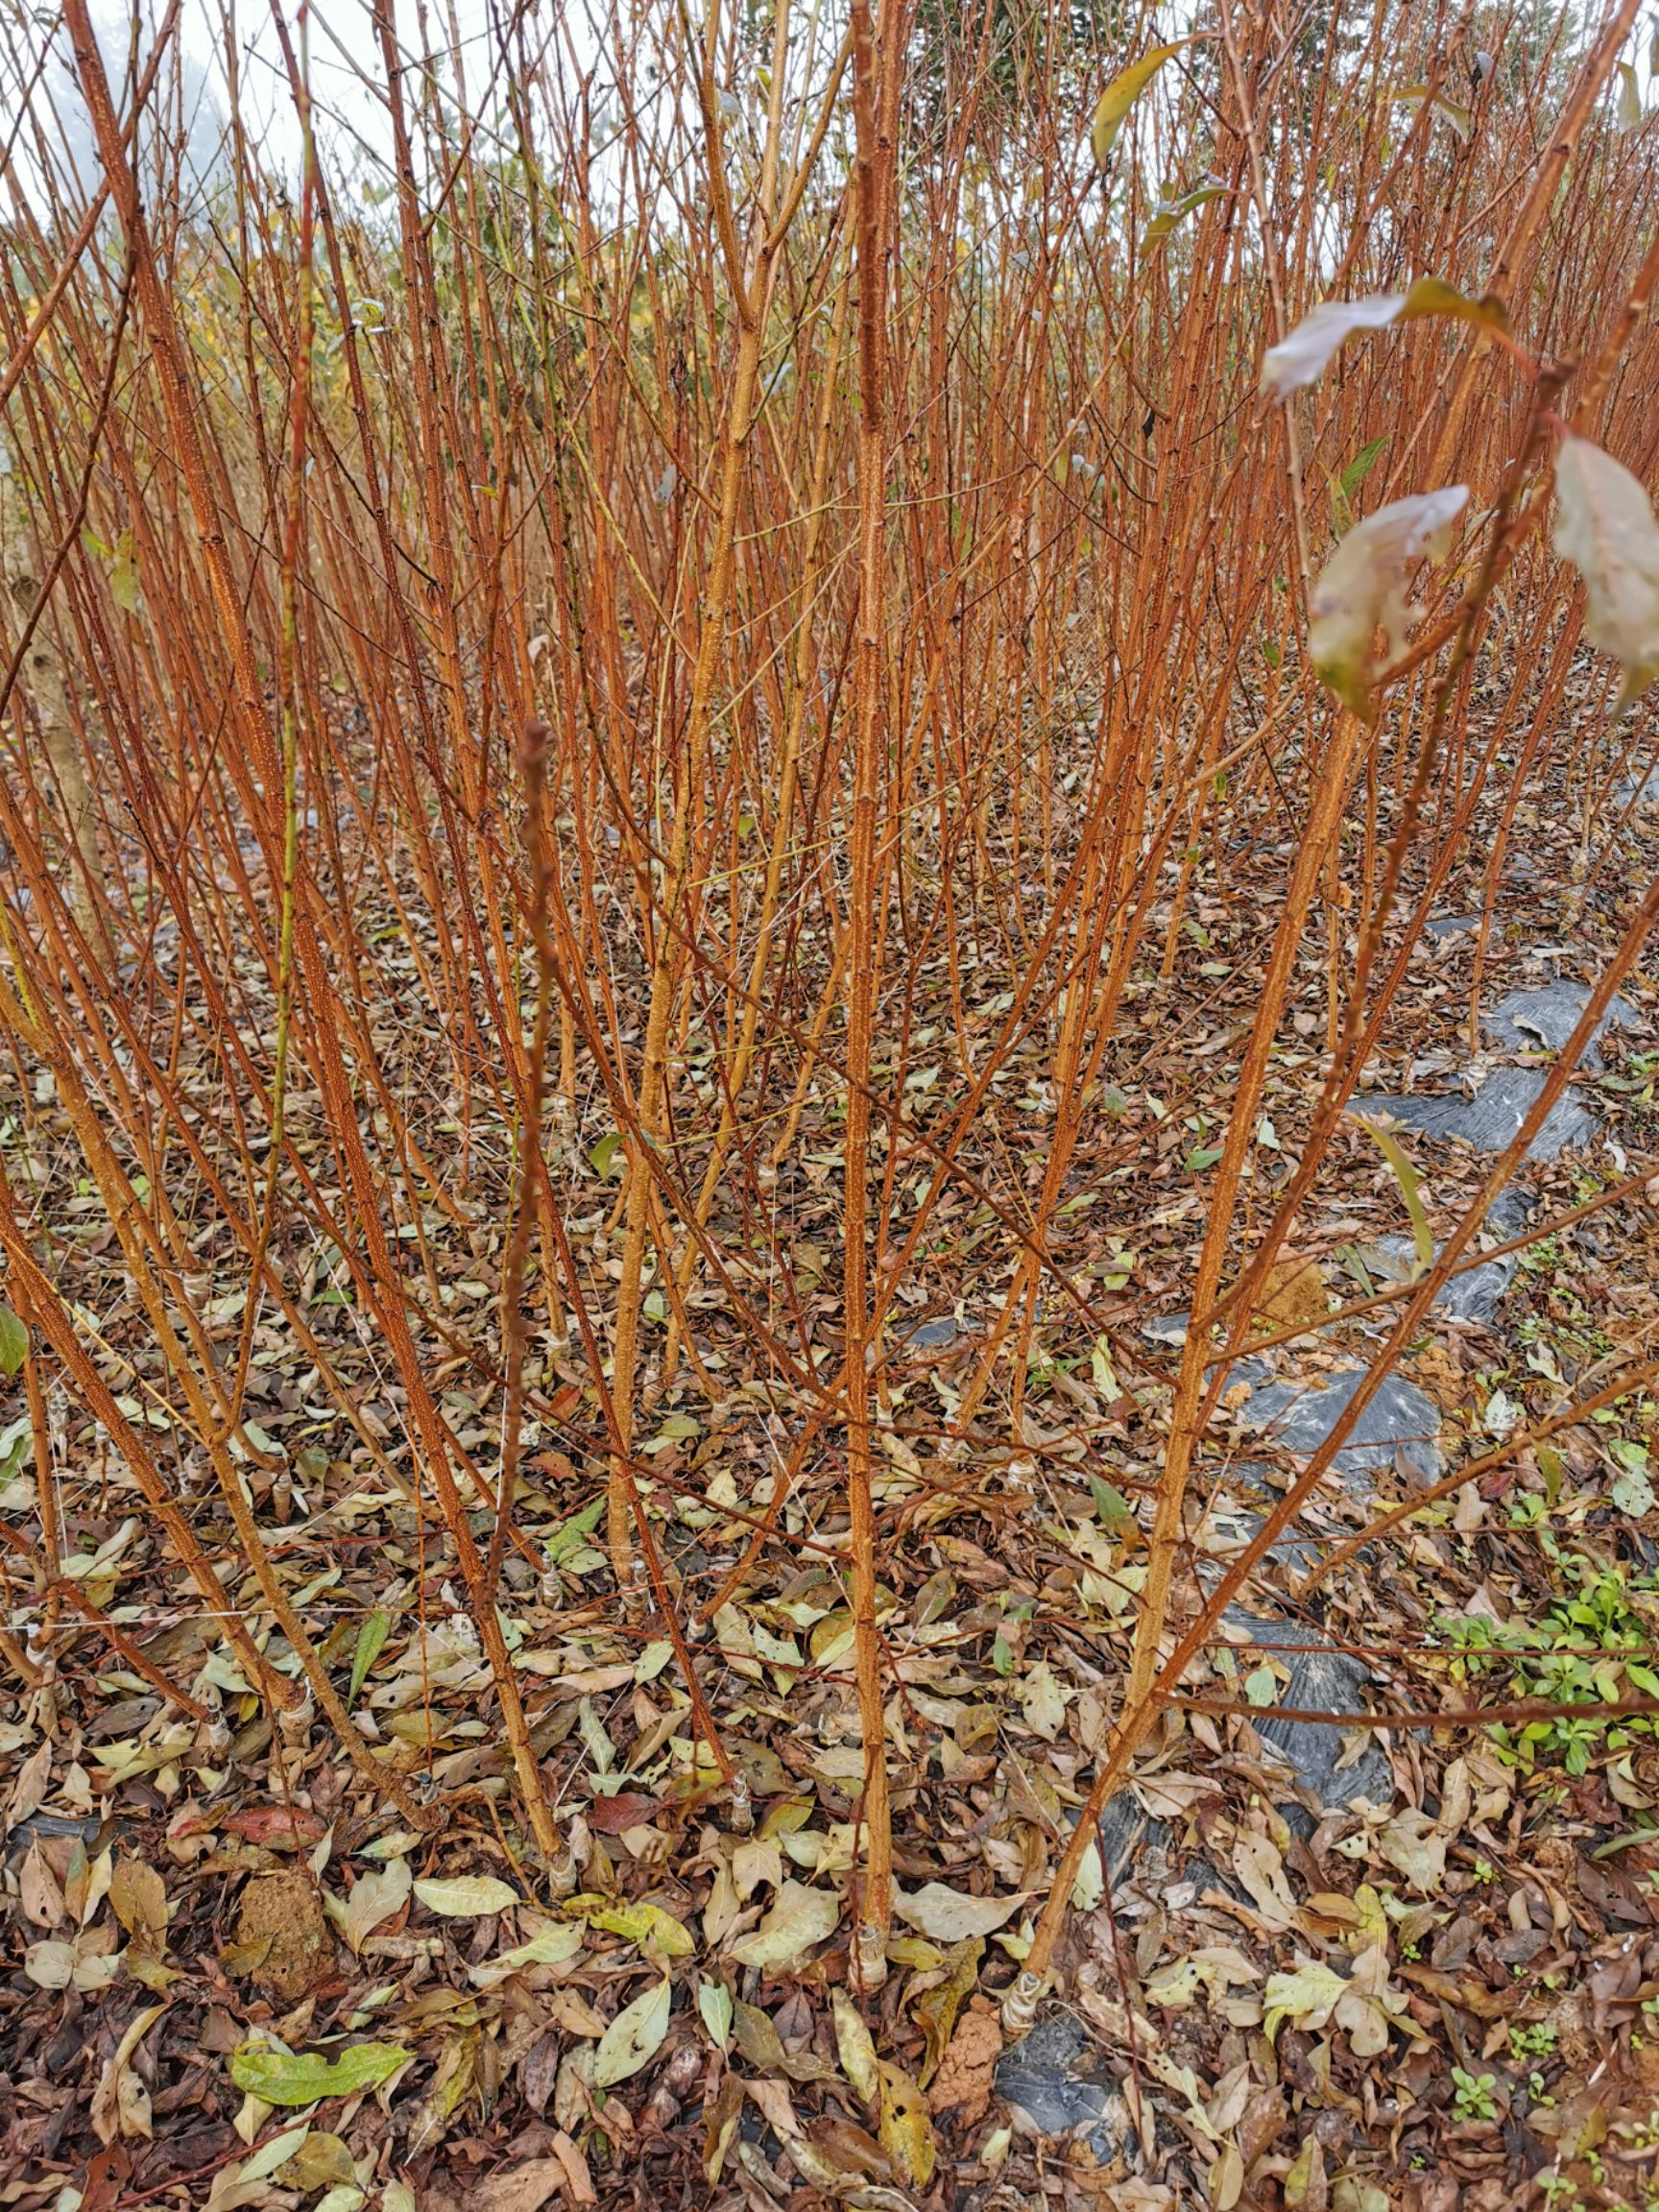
(968, 2071)
(1294, 1295)
(282, 1939)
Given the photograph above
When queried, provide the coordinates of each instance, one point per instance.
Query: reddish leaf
(628, 1809)
(276, 1826)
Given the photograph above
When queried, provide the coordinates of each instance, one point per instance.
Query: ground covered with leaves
(233, 1979)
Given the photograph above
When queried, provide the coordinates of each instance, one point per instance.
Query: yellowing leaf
(1605, 525)
(1301, 357)
(1362, 590)
(935, 2010)
(646, 1923)
(905, 2130)
(1043, 1701)
(1460, 119)
(715, 2004)
(856, 2047)
(949, 1915)
(1121, 95)
(550, 1946)
(1169, 213)
(1308, 1997)
(375, 1898)
(304, 2078)
(1629, 98)
(633, 2038)
(1364, 2005)
(1175, 1986)
(799, 1918)
(1413, 1844)
(466, 1897)
(1434, 296)
(1409, 1179)
(139, 1899)
(321, 2161)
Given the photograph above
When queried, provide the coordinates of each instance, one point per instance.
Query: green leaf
(1101, 1369)
(1632, 1490)
(1359, 467)
(13, 1342)
(1262, 1685)
(604, 1154)
(304, 2078)
(270, 2155)
(1408, 1180)
(371, 1636)
(633, 2038)
(1111, 1505)
(571, 1536)
(550, 1946)
(1203, 1156)
(1121, 95)
(800, 1919)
